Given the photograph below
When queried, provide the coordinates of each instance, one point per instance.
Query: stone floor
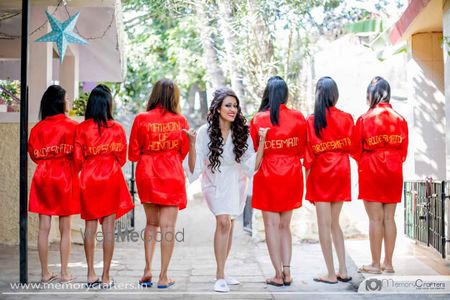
(193, 267)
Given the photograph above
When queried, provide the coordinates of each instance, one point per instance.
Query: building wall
(9, 190)
(426, 92)
(446, 26)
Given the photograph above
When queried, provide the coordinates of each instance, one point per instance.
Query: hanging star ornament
(62, 34)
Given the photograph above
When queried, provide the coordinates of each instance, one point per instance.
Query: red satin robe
(100, 157)
(55, 187)
(327, 158)
(159, 145)
(380, 138)
(278, 184)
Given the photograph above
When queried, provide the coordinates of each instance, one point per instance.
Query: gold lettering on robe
(279, 144)
(164, 127)
(331, 145)
(54, 149)
(384, 138)
(160, 133)
(105, 148)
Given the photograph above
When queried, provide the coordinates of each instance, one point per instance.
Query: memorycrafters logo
(402, 284)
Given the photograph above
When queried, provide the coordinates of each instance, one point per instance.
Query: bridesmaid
(54, 188)
(278, 184)
(381, 145)
(100, 153)
(224, 156)
(159, 145)
(327, 165)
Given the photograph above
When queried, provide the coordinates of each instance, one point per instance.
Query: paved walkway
(193, 267)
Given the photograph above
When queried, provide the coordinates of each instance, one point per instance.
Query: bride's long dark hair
(239, 130)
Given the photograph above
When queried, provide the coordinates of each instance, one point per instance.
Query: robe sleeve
(201, 145)
(357, 140)
(121, 155)
(302, 136)
(134, 148)
(248, 159)
(254, 134)
(33, 144)
(184, 149)
(78, 155)
(309, 153)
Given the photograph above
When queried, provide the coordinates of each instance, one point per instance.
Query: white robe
(224, 191)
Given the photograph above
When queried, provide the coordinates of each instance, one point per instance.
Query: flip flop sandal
(93, 284)
(162, 286)
(50, 279)
(318, 279)
(71, 279)
(286, 283)
(271, 282)
(146, 284)
(346, 279)
(109, 285)
(387, 270)
(364, 269)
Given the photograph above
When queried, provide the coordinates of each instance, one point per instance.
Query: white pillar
(426, 91)
(40, 63)
(446, 25)
(69, 73)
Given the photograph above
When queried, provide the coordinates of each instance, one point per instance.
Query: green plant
(79, 105)
(446, 40)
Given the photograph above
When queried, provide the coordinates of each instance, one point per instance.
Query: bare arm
(259, 154)
(192, 151)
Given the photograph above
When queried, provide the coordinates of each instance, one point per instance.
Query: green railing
(425, 212)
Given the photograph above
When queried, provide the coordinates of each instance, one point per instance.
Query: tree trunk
(226, 27)
(259, 49)
(215, 73)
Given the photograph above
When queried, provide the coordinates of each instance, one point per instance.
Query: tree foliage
(202, 44)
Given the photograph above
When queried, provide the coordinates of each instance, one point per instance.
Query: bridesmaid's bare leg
(376, 231)
(273, 240)
(390, 235)
(221, 243)
(167, 221)
(286, 243)
(65, 245)
(338, 237)
(89, 248)
(44, 229)
(323, 210)
(108, 245)
(150, 236)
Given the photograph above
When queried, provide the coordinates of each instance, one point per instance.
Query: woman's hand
(192, 135)
(262, 134)
(259, 154)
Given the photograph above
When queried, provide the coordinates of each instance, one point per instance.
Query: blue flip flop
(146, 284)
(166, 286)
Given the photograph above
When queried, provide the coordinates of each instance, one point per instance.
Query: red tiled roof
(411, 12)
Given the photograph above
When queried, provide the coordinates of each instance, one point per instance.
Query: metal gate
(425, 212)
(126, 222)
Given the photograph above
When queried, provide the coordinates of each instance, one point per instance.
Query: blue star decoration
(62, 34)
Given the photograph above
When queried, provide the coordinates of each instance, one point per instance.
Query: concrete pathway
(193, 267)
